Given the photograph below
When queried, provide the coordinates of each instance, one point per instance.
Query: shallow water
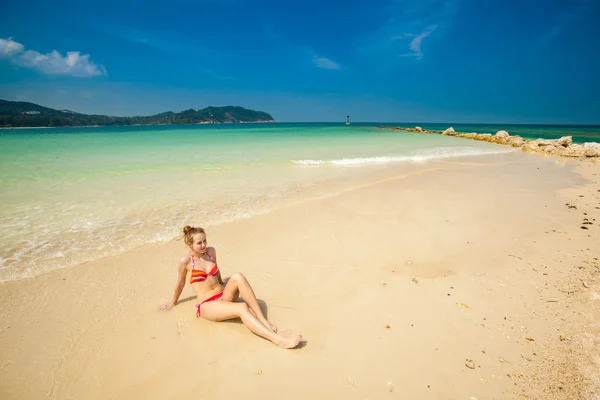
(73, 195)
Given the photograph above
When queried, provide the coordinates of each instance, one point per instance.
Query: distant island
(23, 114)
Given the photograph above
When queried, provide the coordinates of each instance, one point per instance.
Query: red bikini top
(200, 276)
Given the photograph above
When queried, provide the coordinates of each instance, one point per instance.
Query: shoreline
(454, 277)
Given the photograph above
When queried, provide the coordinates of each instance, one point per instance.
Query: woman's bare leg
(222, 310)
(238, 285)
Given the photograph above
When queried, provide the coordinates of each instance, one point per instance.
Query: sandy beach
(459, 278)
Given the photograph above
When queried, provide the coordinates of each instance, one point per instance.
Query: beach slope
(454, 279)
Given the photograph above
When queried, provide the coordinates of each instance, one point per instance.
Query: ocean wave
(434, 153)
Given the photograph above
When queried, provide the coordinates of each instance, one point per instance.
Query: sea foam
(422, 155)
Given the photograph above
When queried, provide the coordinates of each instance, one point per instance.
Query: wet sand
(455, 279)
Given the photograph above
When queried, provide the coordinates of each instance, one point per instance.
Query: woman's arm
(181, 274)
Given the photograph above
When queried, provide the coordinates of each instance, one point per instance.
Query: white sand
(462, 259)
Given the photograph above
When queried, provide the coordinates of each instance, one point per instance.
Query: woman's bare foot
(286, 343)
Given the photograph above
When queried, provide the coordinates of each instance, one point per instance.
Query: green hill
(24, 114)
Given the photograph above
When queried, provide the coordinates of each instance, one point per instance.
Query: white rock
(502, 135)
(565, 141)
(516, 141)
(450, 131)
(574, 150)
(419, 129)
(591, 149)
(530, 146)
(551, 149)
(543, 142)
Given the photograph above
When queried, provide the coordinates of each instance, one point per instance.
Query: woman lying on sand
(218, 301)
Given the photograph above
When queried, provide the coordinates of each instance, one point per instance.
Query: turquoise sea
(72, 195)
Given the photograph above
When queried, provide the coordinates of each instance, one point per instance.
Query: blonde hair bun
(189, 232)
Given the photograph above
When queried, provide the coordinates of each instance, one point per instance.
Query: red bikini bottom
(215, 297)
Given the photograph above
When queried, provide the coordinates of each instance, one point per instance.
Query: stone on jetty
(486, 137)
(516, 141)
(418, 129)
(563, 147)
(565, 141)
(574, 150)
(502, 135)
(591, 149)
(551, 149)
(543, 142)
(450, 132)
(530, 146)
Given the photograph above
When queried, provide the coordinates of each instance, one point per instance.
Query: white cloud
(325, 63)
(415, 44)
(54, 63)
(74, 63)
(9, 48)
(408, 24)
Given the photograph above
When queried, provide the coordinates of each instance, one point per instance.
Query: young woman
(218, 301)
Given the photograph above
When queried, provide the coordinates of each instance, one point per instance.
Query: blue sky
(302, 60)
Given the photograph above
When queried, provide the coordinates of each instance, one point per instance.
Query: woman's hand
(182, 273)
